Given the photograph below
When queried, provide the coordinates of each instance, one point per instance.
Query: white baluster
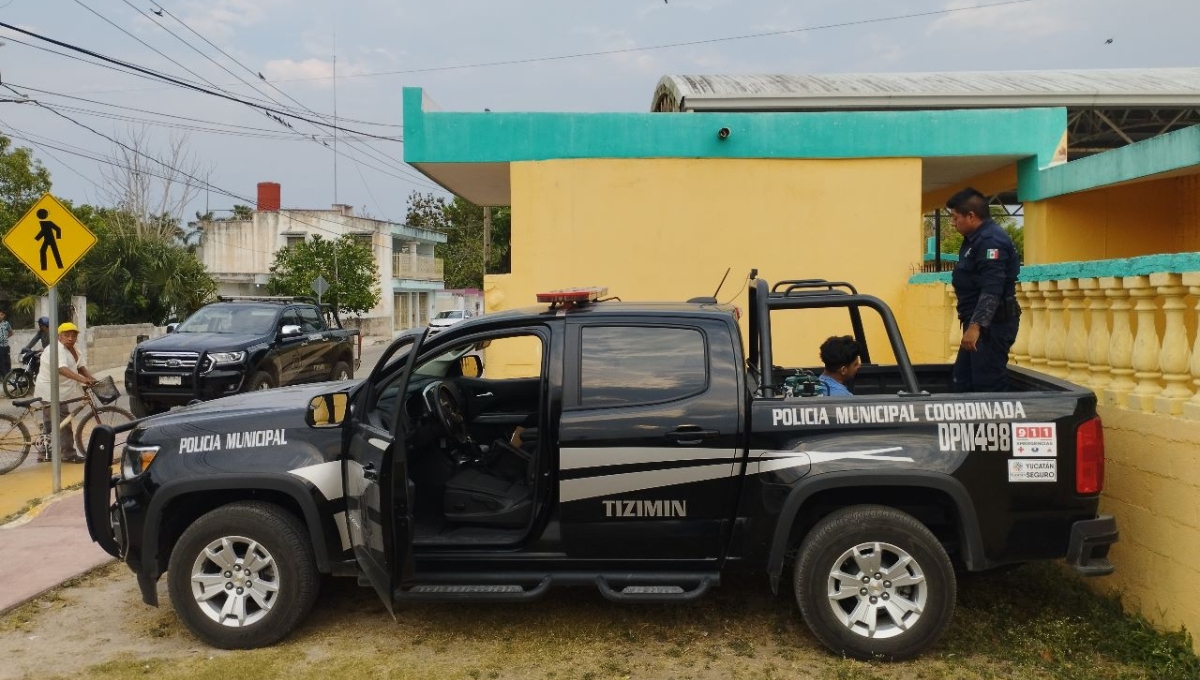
(1038, 327)
(1020, 348)
(1146, 347)
(1173, 357)
(1097, 339)
(1076, 340)
(1120, 344)
(1192, 408)
(953, 327)
(1056, 334)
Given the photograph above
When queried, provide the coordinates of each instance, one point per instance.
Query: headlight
(136, 459)
(219, 358)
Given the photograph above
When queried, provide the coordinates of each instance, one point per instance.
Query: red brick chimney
(268, 196)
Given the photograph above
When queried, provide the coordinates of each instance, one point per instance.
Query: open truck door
(378, 497)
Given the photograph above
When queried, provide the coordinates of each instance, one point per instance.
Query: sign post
(319, 286)
(50, 241)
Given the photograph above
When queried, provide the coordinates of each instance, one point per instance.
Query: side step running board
(648, 588)
(511, 592)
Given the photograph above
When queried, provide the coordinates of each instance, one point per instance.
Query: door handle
(485, 394)
(370, 473)
(691, 437)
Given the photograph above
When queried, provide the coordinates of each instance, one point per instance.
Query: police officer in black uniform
(985, 281)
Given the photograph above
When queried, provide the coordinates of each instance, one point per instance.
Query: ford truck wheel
(261, 380)
(873, 582)
(243, 575)
(341, 371)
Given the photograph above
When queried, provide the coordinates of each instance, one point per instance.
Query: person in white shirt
(71, 374)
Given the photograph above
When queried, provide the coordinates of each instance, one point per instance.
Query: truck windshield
(231, 319)
(450, 314)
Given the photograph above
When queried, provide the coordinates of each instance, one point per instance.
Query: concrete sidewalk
(44, 548)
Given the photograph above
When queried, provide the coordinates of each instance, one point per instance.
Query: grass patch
(1034, 623)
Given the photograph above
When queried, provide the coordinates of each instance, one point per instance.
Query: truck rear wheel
(341, 371)
(873, 582)
(243, 575)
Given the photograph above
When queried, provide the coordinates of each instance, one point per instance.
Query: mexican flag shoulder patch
(992, 254)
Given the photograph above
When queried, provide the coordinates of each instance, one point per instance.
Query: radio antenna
(720, 285)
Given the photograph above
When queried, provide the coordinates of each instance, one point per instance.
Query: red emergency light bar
(573, 295)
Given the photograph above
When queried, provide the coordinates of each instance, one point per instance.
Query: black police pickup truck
(239, 344)
(636, 448)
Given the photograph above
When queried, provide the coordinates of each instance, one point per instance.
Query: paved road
(33, 479)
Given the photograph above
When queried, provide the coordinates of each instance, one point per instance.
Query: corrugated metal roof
(1117, 88)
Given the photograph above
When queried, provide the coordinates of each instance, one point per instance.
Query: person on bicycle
(71, 374)
(42, 335)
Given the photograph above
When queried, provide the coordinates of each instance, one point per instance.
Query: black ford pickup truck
(638, 448)
(238, 345)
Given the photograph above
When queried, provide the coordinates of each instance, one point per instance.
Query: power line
(185, 84)
(689, 43)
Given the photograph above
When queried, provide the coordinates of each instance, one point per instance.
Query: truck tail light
(1089, 457)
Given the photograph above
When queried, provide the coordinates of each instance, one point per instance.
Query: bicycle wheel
(105, 415)
(14, 443)
(17, 383)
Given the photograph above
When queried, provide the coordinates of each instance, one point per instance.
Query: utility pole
(487, 238)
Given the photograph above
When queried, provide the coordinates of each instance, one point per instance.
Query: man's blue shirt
(835, 388)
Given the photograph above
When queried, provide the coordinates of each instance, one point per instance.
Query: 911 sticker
(1026, 470)
(1035, 440)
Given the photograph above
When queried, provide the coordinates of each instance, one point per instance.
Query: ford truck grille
(181, 361)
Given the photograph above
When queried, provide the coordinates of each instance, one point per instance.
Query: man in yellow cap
(71, 373)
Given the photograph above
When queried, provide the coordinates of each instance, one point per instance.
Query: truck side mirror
(289, 330)
(172, 326)
(470, 366)
(327, 410)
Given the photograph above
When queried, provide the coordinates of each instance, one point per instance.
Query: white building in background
(239, 253)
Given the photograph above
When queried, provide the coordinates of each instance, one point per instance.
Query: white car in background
(446, 319)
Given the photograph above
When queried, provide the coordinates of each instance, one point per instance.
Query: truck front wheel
(261, 380)
(341, 371)
(243, 575)
(873, 582)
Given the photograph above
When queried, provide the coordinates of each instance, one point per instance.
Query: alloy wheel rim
(877, 590)
(235, 581)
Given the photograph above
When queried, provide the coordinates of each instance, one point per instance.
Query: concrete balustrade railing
(1125, 328)
(406, 266)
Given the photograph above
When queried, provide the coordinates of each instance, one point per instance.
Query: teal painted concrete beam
(1131, 266)
(1174, 151)
(455, 137)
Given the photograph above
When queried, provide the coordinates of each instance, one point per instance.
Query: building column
(1076, 340)
(954, 327)
(1120, 345)
(1192, 408)
(1020, 348)
(1056, 333)
(1038, 329)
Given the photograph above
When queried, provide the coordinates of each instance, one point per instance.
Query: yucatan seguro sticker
(1032, 470)
(1035, 440)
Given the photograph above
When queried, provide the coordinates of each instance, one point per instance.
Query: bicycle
(19, 381)
(16, 441)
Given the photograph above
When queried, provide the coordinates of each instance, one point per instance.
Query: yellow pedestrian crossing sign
(49, 240)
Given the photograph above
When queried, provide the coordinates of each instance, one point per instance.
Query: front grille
(171, 361)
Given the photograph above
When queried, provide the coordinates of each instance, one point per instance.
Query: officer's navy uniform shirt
(986, 273)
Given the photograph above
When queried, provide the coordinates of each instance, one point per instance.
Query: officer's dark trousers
(986, 369)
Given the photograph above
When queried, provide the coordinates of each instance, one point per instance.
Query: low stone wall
(104, 347)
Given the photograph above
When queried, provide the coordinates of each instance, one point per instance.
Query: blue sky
(292, 43)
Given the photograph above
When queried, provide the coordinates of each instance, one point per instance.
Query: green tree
(462, 222)
(23, 181)
(348, 265)
(952, 240)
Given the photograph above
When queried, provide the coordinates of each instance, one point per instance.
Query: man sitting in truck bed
(840, 354)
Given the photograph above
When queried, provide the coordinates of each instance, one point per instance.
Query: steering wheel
(449, 413)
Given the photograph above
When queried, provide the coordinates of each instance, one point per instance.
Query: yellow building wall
(667, 229)
(1141, 218)
(927, 320)
(1152, 481)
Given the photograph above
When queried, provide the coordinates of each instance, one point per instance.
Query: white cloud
(318, 71)
(1008, 19)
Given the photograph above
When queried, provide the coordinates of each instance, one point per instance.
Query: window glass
(288, 319)
(624, 365)
(310, 321)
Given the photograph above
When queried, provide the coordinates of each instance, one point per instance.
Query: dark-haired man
(985, 281)
(841, 356)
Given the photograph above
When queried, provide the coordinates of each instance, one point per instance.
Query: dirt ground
(98, 627)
